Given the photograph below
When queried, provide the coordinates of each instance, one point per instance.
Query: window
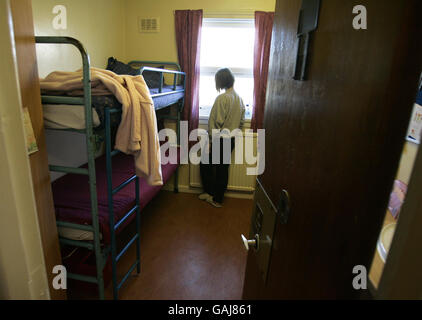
(226, 43)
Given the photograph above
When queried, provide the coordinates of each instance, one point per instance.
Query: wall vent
(149, 25)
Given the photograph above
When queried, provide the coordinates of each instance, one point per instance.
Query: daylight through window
(226, 43)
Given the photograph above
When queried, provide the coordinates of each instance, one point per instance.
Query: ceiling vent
(149, 25)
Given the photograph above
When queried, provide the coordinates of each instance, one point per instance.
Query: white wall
(22, 268)
(162, 46)
(99, 26)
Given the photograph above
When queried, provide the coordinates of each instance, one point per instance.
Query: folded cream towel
(65, 116)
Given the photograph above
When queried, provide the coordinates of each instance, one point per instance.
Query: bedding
(73, 116)
(121, 68)
(138, 120)
(72, 200)
(166, 100)
(66, 118)
(75, 234)
(152, 78)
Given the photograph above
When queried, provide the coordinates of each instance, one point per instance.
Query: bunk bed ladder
(90, 145)
(115, 257)
(101, 255)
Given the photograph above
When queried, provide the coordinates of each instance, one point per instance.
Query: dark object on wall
(308, 22)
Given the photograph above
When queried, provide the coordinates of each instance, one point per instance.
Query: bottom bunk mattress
(72, 199)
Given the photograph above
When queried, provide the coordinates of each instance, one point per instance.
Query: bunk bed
(96, 201)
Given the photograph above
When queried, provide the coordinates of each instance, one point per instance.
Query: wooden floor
(189, 250)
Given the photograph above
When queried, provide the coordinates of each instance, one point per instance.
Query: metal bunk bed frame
(177, 78)
(102, 254)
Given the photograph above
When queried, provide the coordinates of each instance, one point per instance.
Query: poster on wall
(415, 126)
(31, 142)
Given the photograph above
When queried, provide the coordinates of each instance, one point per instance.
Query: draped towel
(137, 134)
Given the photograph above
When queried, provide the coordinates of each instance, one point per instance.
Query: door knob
(254, 243)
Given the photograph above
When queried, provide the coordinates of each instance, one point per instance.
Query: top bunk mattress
(162, 101)
(73, 117)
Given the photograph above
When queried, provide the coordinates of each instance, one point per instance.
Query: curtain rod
(222, 14)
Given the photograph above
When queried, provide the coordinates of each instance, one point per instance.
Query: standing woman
(227, 114)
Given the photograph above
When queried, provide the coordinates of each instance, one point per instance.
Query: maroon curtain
(188, 39)
(263, 33)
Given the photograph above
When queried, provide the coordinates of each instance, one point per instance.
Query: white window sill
(204, 121)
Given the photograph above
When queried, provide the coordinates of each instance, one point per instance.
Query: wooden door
(31, 98)
(334, 143)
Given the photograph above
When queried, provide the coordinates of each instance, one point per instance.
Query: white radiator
(238, 179)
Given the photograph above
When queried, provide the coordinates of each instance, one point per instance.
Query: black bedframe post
(176, 176)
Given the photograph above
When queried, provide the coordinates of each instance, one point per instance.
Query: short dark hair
(224, 79)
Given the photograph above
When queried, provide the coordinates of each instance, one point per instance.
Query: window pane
(230, 44)
(207, 93)
(227, 47)
(244, 87)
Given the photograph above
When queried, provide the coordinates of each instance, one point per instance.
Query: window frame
(238, 72)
